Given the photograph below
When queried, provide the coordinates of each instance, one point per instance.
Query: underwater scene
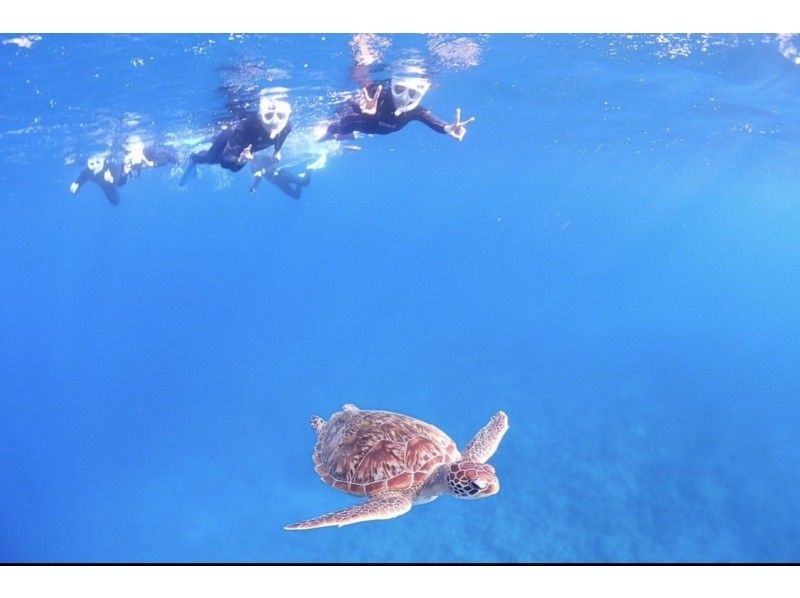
(441, 298)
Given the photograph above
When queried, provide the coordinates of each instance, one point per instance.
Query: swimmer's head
(96, 163)
(274, 114)
(407, 93)
(134, 153)
(134, 145)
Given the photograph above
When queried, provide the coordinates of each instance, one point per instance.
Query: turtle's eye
(475, 487)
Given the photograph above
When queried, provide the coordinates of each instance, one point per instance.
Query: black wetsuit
(109, 189)
(288, 182)
(228, 145)
(159, 155)
(383, 121)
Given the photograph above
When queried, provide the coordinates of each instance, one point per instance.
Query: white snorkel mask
(407, 93)
(274, 114)
(96, 163)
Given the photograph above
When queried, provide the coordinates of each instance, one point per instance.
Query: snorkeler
(234, 147)
(288, 182)
(106, 173)
(381, 112)
(139, 156)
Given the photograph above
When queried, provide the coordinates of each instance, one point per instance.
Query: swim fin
(189, 174)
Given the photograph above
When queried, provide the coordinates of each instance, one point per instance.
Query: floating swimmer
(104, 172)
(380, 111)
(139, 156)
(234, 147)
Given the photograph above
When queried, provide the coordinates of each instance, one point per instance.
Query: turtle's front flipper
(385, 506)
(317, 423)
(482, 447)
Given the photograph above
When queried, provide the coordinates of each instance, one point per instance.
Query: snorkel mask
(96, 163)
(407, 93)
(274, 114)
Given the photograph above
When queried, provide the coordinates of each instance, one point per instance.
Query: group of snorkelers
(379, 108)
(109, 173)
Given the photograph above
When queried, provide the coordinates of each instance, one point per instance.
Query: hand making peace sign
(247, 153)
(369, 105)
(459, 128)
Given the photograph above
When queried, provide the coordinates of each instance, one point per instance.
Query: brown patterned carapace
(370, 452)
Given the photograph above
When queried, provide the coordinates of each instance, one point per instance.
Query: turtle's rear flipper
(386, 506)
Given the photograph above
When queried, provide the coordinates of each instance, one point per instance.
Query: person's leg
(111, 193)
(209, 156)
(346, 126)
(288, 182)
(214, 153)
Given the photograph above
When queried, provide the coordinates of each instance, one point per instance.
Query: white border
(390, 582)
(343, 16)
(511, 16)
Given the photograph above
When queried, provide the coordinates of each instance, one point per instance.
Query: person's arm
(118, 174)
(456, 130)
(428, 118)
(84, 176)
(276, 155)
(258, 175)
(235, 154)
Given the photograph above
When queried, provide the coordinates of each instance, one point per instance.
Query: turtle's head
(472, 480)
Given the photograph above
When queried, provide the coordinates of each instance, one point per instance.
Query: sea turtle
(397, 461)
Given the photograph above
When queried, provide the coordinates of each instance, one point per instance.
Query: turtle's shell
(370, 452)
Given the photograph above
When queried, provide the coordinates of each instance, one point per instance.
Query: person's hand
(369, 105)
(257, 176)
(109, 178)
(276, 157)
(247, 153)
(73, 188)
(459, 128)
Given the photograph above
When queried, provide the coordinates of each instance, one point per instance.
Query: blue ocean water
(611, 256)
